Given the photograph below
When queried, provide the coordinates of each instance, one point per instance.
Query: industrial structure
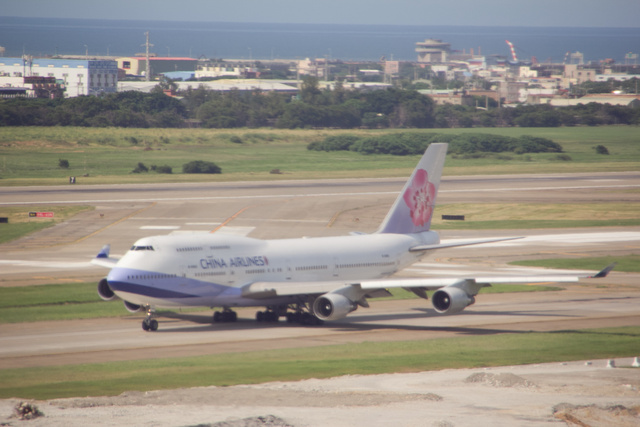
(137, 65)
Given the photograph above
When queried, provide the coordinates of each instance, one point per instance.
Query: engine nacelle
(451, 300)
(131, 307)
(333, 306)
(104, 290)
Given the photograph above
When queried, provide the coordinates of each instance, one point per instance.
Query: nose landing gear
(149, 324)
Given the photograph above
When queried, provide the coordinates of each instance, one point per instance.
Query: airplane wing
(103, 259)
(260, 290)
(463, 243)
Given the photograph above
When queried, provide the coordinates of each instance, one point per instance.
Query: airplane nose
(120, 279)
(117, 275)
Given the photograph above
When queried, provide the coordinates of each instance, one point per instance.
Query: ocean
(48, 36)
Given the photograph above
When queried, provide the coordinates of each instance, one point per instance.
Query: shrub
(64, 164)
(601, 149)
(334, 143)
(532, 144)
(140, 168)
(563, 157)
(164, 169)
(200, 166)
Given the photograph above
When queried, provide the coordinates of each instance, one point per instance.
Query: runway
(124, 213)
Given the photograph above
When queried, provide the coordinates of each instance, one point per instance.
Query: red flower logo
(420, 197)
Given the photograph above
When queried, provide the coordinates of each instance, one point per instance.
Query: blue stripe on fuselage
(147, 291)
(157, 285)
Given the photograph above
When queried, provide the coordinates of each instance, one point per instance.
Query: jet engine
(332, 306)
(104, 290)
(451, 300)
(131, 307)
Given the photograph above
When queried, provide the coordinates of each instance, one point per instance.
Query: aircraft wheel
(153, 325)
(260, 316)
(216, 316)
(145, 325)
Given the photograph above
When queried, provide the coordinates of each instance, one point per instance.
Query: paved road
(125, 213)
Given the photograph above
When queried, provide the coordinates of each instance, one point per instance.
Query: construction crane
(513, 51)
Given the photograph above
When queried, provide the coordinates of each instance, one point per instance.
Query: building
(509, 91)
(575, 74)
(619, 100)
(453, 97)
(137, 65)
(77, 77)
(433, 51)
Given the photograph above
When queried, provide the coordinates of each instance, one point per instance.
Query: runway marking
(231, 218)
(46, 264)
(578, 187)
(160, 227)
(115, 223)
(351, 194)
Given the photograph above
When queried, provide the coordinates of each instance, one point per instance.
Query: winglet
(604, 272)
(104, 252)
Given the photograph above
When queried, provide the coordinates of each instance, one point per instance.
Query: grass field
(520, 216)
(20, 223)
(317, 362)
(30, 156)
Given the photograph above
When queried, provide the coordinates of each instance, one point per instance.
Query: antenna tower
(148, 65)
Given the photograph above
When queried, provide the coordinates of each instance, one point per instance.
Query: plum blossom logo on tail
(420, 197)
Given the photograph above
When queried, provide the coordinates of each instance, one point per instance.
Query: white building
(219, 70)
(80, 77)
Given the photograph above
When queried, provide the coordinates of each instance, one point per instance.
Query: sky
(532, 13)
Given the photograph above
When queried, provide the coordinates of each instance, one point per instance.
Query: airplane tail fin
(413, 209)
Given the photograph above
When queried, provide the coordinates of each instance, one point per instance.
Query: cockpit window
(141, 248)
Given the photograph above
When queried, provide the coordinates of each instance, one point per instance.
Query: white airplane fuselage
(212, 269)
(319, 279)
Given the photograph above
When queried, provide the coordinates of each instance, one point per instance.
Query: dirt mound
(499, 380)
(266, 421)
(597, 416)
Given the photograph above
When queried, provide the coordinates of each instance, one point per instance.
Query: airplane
(306, 280)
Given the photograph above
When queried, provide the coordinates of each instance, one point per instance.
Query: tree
(310, 91)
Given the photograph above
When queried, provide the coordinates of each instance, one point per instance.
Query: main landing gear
(300, 315)
(225, 316)
(149, 324)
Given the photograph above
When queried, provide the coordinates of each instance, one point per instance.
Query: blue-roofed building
(79, 77)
